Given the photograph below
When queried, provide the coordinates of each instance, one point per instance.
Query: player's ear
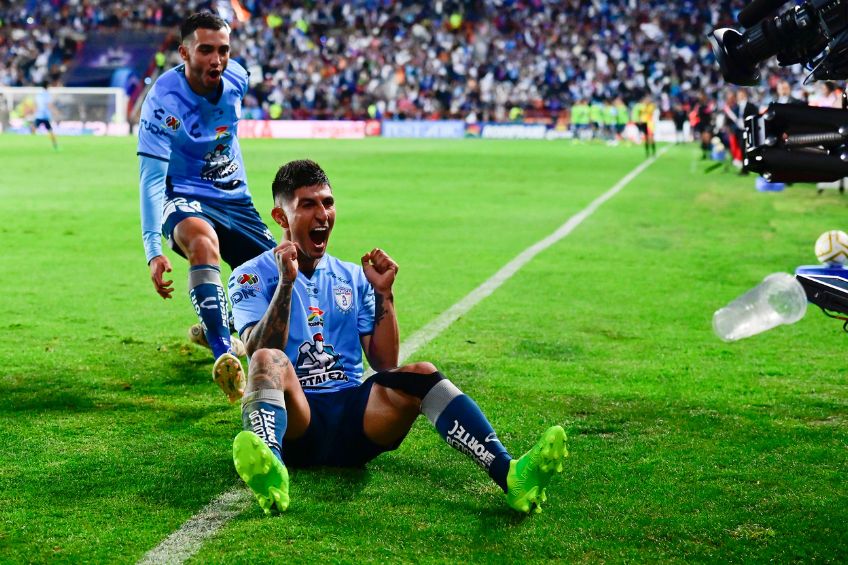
(183, 52)
(279, 216)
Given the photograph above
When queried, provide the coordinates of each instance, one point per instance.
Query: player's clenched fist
(380, 270)
(285, 254)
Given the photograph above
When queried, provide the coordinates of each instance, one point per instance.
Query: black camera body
(790, 143)
(814, 33)
(794, 143)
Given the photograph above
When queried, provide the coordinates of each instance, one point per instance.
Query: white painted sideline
(185, 542)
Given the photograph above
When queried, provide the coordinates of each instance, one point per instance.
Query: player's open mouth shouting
(319, 236)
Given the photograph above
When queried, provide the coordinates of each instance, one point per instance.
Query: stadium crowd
(478, 60)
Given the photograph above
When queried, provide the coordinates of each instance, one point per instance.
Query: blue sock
(463, 426)
(210, 304)
(263, 412)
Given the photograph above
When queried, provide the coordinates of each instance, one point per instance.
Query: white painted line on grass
(424, 335)
(185, 542)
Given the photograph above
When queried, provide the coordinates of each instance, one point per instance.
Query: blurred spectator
(463, 59)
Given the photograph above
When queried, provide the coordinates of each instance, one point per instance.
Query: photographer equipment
(814, 33)
(793, 143)
(826, 286)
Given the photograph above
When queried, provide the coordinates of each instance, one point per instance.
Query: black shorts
(242, 235)
(41, 122)
(335, 435)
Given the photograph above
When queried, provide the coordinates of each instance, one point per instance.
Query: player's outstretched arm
(272, 331)
(152, 173)
(382, 347)
(159, 265)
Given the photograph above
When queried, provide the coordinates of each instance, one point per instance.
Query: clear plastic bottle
(779, 299)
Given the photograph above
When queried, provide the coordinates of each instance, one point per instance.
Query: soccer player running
(43, 114)
(300, 309)
(193, 183)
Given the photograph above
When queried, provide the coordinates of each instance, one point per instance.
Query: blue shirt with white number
(196, 135)
(329, 312)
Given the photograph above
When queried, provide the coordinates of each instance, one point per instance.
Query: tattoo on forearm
(379, 308)
(272, 331)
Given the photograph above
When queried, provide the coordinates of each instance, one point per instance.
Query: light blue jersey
(329, 313)
(42, 105)
(196, 136)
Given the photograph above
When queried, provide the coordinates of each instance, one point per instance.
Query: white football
(832, 247)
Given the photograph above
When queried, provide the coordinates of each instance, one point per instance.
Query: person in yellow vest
(646, 125)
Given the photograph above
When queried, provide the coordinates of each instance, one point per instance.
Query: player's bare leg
(399, 396)
(199, 243)
(257, 451)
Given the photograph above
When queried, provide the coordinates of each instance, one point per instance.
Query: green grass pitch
(684, 448)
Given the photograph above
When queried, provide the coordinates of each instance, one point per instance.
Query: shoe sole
(197, 337)
(552, 451)
(266, 476)
(229, 375)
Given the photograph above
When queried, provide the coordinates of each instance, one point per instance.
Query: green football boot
(529, 475)
(266, 475)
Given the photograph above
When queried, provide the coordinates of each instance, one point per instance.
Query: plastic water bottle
(779, 299)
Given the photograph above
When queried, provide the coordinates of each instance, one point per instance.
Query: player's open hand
(285, 254)
(159, 265)
(380, 270)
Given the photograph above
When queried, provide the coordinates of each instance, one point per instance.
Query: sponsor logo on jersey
(221, 131)
(315, 317)
(173, 122)
(470, 445)
(219, 165)
(343, 296)
(249, 280)
(153, 128)
(318, 363)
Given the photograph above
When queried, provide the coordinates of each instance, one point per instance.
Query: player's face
(206, 54)
(308, 219)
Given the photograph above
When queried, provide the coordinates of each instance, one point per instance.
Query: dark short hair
(202, 20)
(297, 174)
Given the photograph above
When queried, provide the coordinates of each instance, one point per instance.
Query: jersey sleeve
(365, 315)
(152, 173)
(247, 293)
(155, 135)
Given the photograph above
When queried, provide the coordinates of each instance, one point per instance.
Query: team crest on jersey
(249, 280)
(173, 122)
(344, 297)
(315, 317)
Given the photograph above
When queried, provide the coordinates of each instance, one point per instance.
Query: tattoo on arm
(272, 331)
(379, 311)
(379, 307)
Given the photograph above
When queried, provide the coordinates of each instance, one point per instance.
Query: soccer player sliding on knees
(306, 318)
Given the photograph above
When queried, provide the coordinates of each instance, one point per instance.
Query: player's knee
(268, 369)
(203, 250)
(422, 368)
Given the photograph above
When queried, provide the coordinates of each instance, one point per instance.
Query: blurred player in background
(306, 318)
(43, 114)
(647, 123)
(194, 187)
